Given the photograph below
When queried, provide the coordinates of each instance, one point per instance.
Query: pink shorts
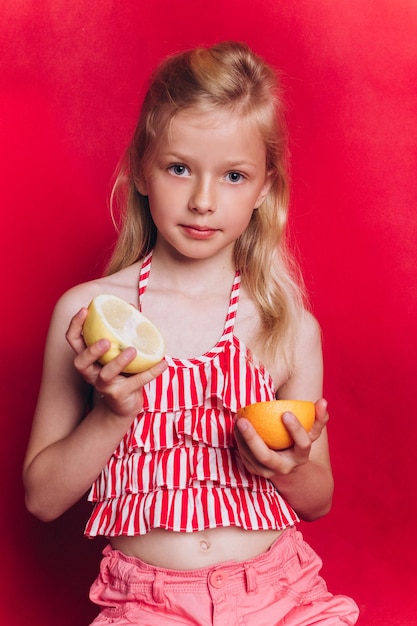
(280, 587)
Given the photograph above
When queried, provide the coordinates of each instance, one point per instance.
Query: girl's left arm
(302, 474)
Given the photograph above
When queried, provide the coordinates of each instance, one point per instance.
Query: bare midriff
(187, 551)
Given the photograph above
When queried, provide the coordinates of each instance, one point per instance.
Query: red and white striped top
(178, 467)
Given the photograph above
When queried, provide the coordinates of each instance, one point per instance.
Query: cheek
(239, 221)
(156, 213)
(164, 194)
(163, 208)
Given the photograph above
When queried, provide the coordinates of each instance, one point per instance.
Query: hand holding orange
(266, 418)
(110, 317)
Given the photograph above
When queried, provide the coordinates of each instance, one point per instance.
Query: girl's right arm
(67, 448)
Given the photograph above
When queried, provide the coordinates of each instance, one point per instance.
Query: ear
(140, 184)
(265, 190)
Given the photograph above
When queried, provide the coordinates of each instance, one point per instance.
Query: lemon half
(110, 317)
(266, 418)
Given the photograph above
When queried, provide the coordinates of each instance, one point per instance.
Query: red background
(71, 77)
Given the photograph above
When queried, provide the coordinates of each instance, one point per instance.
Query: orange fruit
(266, 418)
(110, 317)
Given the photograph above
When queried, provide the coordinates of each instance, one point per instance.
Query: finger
(296, 430)
(316, 430)
(74, 332)
(155, 370)
(261, 460)
(118, 364)
(121, 391)
(143, 378)
(88, 358)
(244, 451)
(253, 441)
(322, 417)
(322, 414)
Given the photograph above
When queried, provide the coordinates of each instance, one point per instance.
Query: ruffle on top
(178, 467)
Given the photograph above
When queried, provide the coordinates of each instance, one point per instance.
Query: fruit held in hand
(266, 418)
(110, 317)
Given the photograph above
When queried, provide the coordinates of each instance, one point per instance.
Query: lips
(198, 232)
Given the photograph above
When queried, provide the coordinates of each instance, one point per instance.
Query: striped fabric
(178, 467)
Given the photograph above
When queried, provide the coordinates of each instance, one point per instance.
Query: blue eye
(178, 169)
(235, 177)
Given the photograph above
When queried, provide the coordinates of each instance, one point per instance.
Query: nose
(202, 199)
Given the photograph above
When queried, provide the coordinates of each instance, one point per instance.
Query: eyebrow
(230, 164)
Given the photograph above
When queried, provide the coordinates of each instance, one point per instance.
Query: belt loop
(158, 588)
(251, 578)
(302, 549)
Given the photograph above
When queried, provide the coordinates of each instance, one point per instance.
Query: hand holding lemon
(266, 418)
(110, 317)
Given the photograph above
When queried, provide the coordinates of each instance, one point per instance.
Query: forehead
(221, 119)
(215, 129)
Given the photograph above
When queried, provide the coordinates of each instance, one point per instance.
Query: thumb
(153, 372)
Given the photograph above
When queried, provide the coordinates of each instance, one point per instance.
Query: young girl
(200, 514)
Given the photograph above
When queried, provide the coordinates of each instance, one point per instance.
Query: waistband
(134, 577)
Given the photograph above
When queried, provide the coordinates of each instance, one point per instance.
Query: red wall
(71, 75)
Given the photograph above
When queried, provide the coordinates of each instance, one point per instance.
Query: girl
(200, 514)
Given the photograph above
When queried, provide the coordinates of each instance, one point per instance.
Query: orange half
(266, 418)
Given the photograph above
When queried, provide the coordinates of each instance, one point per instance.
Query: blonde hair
(227, 75)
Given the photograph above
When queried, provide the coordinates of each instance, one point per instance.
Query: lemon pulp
(110, 317)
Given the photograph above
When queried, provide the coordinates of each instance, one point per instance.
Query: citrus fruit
(265, 417)
(110, 317)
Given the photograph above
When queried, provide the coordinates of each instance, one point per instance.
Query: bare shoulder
(122, 284)
(308, 343)
(305, 380)
(309, 335)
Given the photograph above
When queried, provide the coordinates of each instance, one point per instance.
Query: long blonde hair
(227, 75)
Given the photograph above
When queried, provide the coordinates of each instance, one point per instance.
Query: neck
(192, 275)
